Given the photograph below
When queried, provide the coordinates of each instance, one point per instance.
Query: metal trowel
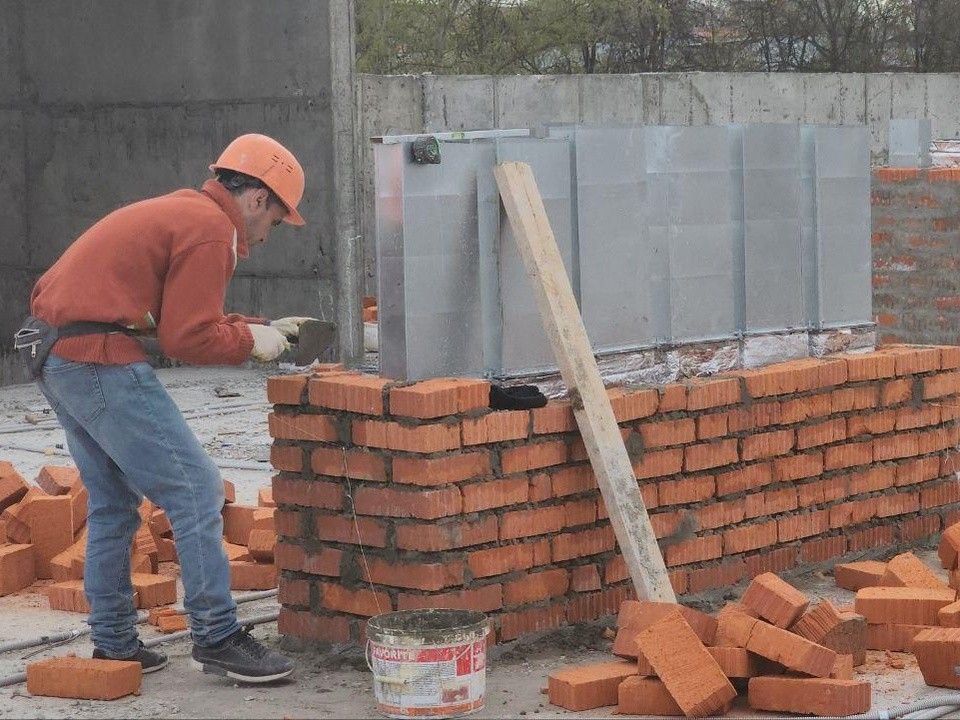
(316, 338)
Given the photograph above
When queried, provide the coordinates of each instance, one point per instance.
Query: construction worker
(161, 266)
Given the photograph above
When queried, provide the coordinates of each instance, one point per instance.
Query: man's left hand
(290, 326)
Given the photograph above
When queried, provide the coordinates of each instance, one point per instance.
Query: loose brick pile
(43, 537)
(456, 505)
(84, 678)
(678, 661)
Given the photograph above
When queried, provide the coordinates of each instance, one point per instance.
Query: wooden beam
(591, 404)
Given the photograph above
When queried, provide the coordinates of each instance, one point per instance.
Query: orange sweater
(158, 265)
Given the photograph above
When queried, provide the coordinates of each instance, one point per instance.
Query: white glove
(268, 343)
(290, 326)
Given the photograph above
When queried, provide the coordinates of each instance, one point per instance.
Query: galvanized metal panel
(525, 347)
(614, 252)
(388, 165)
(771, 208)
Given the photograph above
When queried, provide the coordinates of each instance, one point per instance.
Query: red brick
(870, 538)
(439, 397)
(712, 425)
(488, 598)
(286, 389)
(261, 545)
(591, 606)
(720, 514)
(796, 467)
(706, 393)
(770, 502)
(750, 537)
(895, 446)
(852, 513)
(238, 521)
(390, 502)
(900, 504)
(585, 578)
(572, 480)
(949, 357)
(580, 512)
(830, 431)
(302, 426)
(588, 687)
(874, 423)
(726, 574)
(908, 418)
(673, 397)
(12, 486)
(535, 587)
(848, 455)
(823, 491)
(488, 494)
(709, 455)
(936, 386)
(936, 439)
(500, 560)
(938, 653)
(56, 480)
(155, 590)
(869, 366)
(293, 592)
(917, 471)
(538, 521)
(320, 628)
(567, 546)
(417, 576)
(442, 470)
(784, 647)
(394, 436)
(698, 549)
(325, 561)
(83, 678)
(287, 458)
(51, 530)
(774, 600)
(907, 570)
(645, 696)
(541, 488)
(687, 490)
(359, 601)
(344, 529)
(629, 405)
(876, 478)
(919, 528)
(515, 624)
(766, 445)
(555, 417)
(895, 392)
(533, 456)
(744, 479)
(667, 432)
(353, 393)
(691, 675)
(855, 398)
(248, 575)
(659, 463)
(815, 551)
(913, 359)
(496, 427)
(310, 493)
(902, 605)
(809, 696)
(355, 464)
(17, 568)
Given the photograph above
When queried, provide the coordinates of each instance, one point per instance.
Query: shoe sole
(215, 670)
(161, 666)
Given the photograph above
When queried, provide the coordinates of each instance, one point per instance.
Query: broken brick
(12, 486)
(57, 479)
(818, 621)
(809, 696)
(84, 678)
(17, 517)
(691, 675)
(856, 575)
(848, 638)
(949, 549)
(775, 600)
(588, 687)
(17, 569)
(938, 654)
(635, 616)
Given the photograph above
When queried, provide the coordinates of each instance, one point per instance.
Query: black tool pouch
(35, 339)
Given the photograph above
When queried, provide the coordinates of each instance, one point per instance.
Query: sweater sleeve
(192, 325)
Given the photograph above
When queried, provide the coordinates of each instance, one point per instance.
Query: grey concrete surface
(105, 103)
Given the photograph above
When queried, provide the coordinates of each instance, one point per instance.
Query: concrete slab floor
(327, 683)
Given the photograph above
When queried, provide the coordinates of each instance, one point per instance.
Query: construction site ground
(328, 682)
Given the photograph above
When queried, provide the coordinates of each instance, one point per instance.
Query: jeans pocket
(76, 387)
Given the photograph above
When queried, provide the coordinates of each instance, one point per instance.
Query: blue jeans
(129, 440)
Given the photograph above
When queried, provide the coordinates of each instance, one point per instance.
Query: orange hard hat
(270, 162)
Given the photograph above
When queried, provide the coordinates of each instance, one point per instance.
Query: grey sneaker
(150, 660)
(241, 657)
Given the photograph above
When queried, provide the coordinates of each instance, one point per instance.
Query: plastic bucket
(428, 663)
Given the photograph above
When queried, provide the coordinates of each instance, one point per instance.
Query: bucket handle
(396, 681)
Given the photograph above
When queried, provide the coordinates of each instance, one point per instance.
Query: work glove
(290, 326)
(268, 343)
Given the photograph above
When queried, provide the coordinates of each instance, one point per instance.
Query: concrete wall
(103, 103)
(407, 104)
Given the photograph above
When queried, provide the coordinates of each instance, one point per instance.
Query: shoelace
(246, 643)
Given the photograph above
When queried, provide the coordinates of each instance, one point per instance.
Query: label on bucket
(430, 680)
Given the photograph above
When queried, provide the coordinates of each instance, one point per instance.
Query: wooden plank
(578, 367)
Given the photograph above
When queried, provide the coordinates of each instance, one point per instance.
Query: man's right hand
(268, 343)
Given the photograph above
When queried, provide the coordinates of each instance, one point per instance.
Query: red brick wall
(916, 263)
(761, 470)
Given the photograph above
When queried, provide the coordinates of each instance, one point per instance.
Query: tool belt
(35, 339)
